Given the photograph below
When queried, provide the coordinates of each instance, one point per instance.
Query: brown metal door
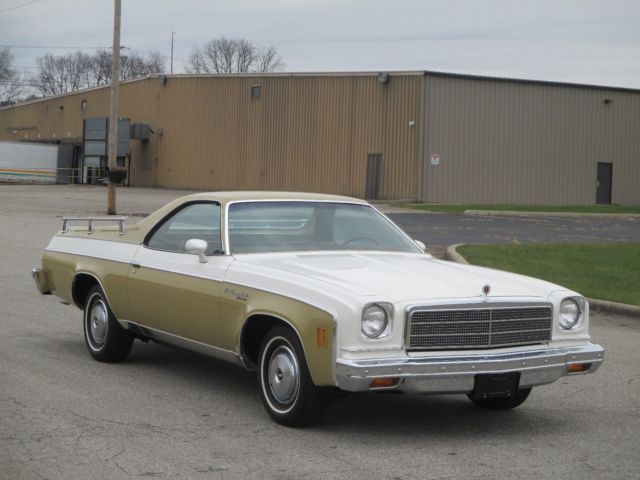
(603, 185)
(372, 186)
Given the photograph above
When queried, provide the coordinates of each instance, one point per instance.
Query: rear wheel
(106, 340)
(502, 403)
(287, 390)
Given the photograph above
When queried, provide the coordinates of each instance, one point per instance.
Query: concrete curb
(603, 306)
(453, 255)
(513, 213)
(614, 307)
(387, 208)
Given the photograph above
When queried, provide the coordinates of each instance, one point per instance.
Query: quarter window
(198, 220)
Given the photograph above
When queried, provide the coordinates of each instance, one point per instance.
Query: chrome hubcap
(98, 322)
(284, 377)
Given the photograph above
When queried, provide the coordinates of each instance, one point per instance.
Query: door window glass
(198, 220)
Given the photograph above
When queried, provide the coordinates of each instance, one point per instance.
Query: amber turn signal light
(322, 337)
(384, 382)
(578, 367)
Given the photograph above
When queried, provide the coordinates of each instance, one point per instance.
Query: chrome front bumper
(40, 277)
(456, 374)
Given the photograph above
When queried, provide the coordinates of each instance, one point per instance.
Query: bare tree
(135, 65)
(268, 60)
(156, 63)
(233, 55)
(6, 59)
(245, 53)
(100, 69)
(59, 74)
(10, 82)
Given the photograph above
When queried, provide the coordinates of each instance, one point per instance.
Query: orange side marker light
(384, 382)
(322, 337)
(578, 367)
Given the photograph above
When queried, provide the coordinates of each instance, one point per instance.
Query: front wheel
(286, 388)
(502, 403)
(106, 340)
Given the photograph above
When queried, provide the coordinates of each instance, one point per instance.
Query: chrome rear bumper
(40, 277)
(456, 374)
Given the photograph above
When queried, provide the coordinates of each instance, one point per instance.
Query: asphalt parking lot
(167, 413)
(446, 229)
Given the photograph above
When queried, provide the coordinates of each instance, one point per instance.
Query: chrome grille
(485, 326)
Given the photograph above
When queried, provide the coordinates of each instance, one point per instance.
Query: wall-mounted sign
(435, 159)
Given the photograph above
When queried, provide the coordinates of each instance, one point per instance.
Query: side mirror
(422, 246)
(195, 246)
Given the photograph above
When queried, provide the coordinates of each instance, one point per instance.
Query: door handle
(136, 265)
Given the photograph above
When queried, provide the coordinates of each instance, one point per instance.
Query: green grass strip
(603, 271)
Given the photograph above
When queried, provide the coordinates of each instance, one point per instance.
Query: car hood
(396, 277)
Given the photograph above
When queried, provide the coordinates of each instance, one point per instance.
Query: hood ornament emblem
(486, 289)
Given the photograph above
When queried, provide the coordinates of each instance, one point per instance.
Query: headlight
(374, 321)
(569, 313)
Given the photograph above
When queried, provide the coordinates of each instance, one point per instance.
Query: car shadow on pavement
(377, 416)
(398, 415)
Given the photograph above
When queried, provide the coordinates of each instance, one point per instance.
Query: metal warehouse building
(423, 136)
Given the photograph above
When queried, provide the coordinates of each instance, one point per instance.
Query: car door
(170, 290)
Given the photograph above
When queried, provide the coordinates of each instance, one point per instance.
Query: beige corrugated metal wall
(305, 132)
(61, 118)
(500, 141)
(513, 142)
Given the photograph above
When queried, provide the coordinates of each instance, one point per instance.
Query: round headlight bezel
(570, 314)
(371, 314)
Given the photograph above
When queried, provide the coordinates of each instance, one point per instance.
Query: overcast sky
(583, 41)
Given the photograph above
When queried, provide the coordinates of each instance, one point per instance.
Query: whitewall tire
(106, 340)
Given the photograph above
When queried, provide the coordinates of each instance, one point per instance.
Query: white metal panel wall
(28, 162)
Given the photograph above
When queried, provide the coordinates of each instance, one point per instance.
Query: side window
(198, 220)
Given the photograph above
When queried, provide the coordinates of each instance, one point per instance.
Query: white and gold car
(316, 293)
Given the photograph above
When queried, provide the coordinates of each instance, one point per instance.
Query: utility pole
(113, 111)
(172, 33)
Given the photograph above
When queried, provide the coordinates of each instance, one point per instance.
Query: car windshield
(291, 226)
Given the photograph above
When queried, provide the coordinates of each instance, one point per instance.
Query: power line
(58, 46)
(18, 6)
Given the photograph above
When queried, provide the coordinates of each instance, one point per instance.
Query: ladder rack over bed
(90, 221)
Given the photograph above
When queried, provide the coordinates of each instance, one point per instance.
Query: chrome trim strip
(451, 374)
(177, 272)
(465, 305)
(182, 342)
